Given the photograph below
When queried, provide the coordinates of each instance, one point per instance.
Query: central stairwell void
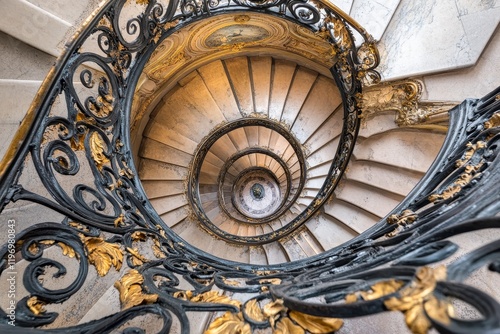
(218, 167)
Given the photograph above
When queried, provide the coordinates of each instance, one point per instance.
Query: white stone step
(158, 151)
(357, 218)
(217, 83)
(302, 84)
(34, 26)
(415, 152)
(323, 100)
(239, 77)
(282, 79)
(328, 231)
(261, 82)
(167, 204)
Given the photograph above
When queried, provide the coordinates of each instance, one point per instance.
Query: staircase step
(239, 78)
(329, 232)
(321, 102)
(34, 26)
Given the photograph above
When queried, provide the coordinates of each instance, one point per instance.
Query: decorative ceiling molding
(227, 36)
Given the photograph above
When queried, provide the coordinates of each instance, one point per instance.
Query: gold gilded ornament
(316, 325)
(229, 323)
(130, 288)
(103, 254)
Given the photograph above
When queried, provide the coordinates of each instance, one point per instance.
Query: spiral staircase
(239, 154)
(286, 137)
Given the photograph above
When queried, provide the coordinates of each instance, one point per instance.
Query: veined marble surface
(374, 15)
(432, 36)
(473, 82)
(345, 5)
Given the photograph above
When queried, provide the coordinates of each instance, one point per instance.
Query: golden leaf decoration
(286, 326)
(137, 258)
(229, 323)
(33, 248)
(252, 309)
(103, 254)
(184, 295)
(120, 220)
(273, 308)
(351, 298)
(230, 282)
(139, 236)
(36, 306)
(471, 150)
(130, 288)
(493, 122)
(381, 289)
(97, 150)
(419, 295)
(316, 325)
(158, 253)
(214, 297)
(273, 281)
(67, 250)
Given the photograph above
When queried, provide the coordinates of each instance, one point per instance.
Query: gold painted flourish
(404, 218)
(286, 326)
(281, 320)
(229, 323)
(97, 150)
(103, 254)
(378, 290)
(130, 288)
(418, 298)
(36, 306)
(316, 325)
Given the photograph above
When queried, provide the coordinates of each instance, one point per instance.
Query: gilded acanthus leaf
(35, 306)
(470, 173)
(130, 288)
(229, 323)
(158, 253)
(273, 281)
(137, 258)
(471, 150)
(139, 236)
(253, 310)
(103, 254)
(67, 250)
(97, 150)
(214, 297)
(493, 122)
(230, 282)
(33, 248)
(120, 220)
(419, 295)
(273, 308)
(341, 33)
(286, 326)
(381, 289)
(316, 325)
(404, 218)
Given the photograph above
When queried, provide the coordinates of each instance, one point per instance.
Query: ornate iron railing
(106, 218)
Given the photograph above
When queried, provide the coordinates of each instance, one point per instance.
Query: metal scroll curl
(82, 158)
